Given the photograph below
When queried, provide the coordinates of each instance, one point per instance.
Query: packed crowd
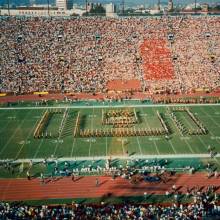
(84, 54)
(113, 212)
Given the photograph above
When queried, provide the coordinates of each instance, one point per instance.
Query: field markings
(38, 148)
(28, 136)
(212, 121)
(90, 143)
(148, 126)
(214, 109)
(74, 138)
(106, 146)
(109, 106)
(61, 127)
(15, 132)
(42, 140)
(5, 126)
(156, 148)
(139, 145)
(181, 138)
(73, 146)
(170, 140)
(152, 156)
(190, 125)
(210, 117)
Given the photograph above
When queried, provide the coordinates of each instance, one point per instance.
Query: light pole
(195, 6)
(8, 7)
(48, 7)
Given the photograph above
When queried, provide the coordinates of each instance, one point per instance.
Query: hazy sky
(127, 2)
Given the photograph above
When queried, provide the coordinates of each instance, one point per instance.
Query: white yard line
(61, 127)
(210, 117)
(155, 144)
(213, 108)
(106, 146)
(90, 143)
(5, 126)
(29, 134)
(139, 145)
(8, 121)
(189, 146)
(212, 121)
(73, 146)
(38, 148)
(41, 142)
(170, 142)
(192, 128)
(15, 132)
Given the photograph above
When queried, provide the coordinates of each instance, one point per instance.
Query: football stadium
(110, 116)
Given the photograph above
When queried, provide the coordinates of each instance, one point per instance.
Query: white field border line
(153, 156)
(65, 114)
(149, 128)
(108, 106)
(203, 143)
(29, 134)
(14, 133)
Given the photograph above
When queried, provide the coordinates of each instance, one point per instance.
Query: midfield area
(114, 131)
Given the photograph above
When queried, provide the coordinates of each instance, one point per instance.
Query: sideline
(133, 157)
(108, 106)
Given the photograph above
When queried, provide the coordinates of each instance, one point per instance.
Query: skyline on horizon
(117, 2)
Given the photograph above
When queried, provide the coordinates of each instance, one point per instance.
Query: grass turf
(18, 125)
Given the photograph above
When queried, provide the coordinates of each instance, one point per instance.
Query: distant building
(64, 4)
(69, 4)
(205, 7)
(170, 5)
(110, 10)
(35, 12)
(158, 5)
(89, 6)
(61, 4)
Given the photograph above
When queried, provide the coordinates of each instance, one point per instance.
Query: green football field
(17, 127)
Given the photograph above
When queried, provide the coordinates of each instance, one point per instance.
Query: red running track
(85, 187)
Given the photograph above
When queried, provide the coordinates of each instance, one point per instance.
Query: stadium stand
(87, 54)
